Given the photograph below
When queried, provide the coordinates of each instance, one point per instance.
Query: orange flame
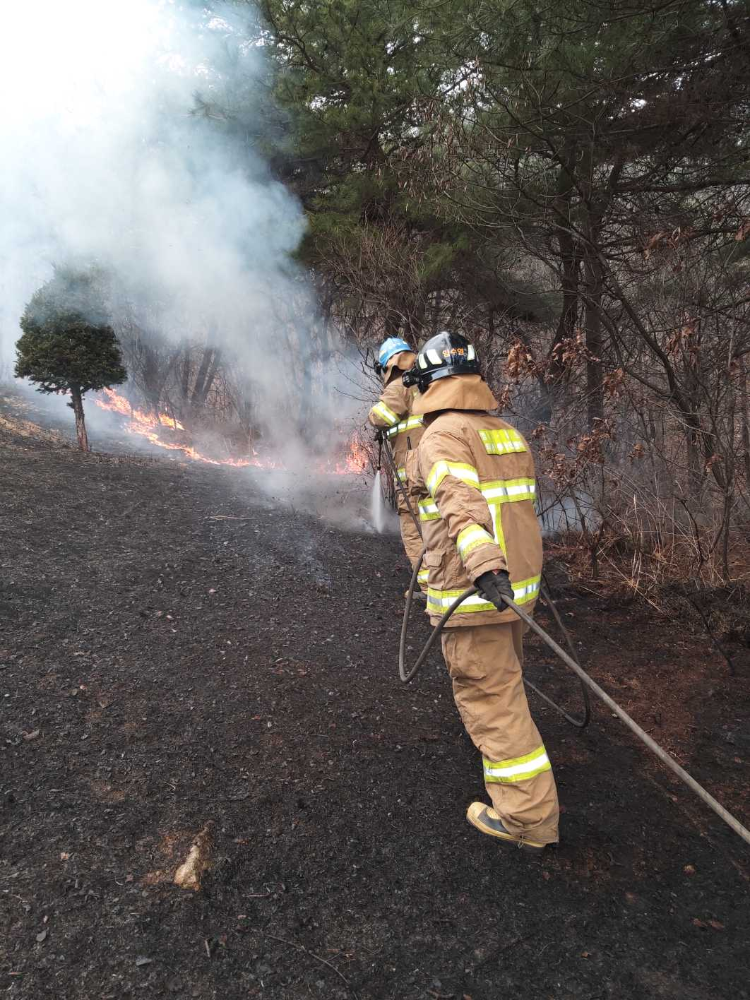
(148, 426)
(357, 460)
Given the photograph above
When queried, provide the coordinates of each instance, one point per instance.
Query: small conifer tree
(67, 344)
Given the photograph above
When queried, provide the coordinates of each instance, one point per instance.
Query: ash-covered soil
(177, 650)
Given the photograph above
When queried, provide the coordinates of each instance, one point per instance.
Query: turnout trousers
(485, 664)
(411, 538)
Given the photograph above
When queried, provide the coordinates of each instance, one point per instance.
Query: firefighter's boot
(485, 819)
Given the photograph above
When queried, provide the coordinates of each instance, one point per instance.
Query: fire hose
(587, 683)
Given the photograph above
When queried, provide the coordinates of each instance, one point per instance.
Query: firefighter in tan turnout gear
(473, 477)
(392, 415)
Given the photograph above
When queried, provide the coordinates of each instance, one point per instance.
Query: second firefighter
(392, 415)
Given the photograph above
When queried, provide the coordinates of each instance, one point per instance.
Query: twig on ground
(301, 947)
(634, 586)
(709, 631)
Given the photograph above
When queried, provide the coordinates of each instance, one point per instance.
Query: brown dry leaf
(64, 856)
(31, 736)
(698, 923)
(716, 924)
(689, 869)
(198, 861)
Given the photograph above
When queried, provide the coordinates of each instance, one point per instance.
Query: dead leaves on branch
(667, 240)
(567, 469)
(566, 354)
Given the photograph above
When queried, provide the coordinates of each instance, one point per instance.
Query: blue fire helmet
(394, 345)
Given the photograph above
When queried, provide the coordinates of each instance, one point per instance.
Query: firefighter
(473, 479)
(392, 415)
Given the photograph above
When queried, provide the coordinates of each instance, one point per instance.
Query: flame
(149, 425)
(357, 460)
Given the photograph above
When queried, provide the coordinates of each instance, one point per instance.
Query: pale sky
(69, 58)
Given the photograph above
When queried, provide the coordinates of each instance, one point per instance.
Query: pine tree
(67, 344)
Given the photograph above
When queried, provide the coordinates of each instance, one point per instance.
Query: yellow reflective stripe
(517, 768)
(386, 413)
(440, 600)
(505, 490)
(428, 511)
(526, 590)
(422, 575)
(497, 525)
(501, 442)
(401, 473)
(406, 425)
(471, 538)
(459, 470)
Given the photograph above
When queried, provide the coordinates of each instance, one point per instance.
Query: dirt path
(161, 670)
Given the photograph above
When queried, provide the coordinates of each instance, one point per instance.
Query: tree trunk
(185, 375)
(200, 397)
(76, 403)
(393, 321)
(745, 422)
(570, 258)
(594, 375)
(695, 476)
(205, 376)
(151, 381)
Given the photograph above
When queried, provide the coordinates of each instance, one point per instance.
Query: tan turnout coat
(393, 414)
(393, 411)
(473, 479)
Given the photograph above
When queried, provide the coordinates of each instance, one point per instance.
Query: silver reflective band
(500, 442)
(472, 537)
(459, 470)
(405, 425)
(386, 413)
(524, 591)
(512, 489)
(440, 600)
(428, 512)
(441, 603)
(518, 768)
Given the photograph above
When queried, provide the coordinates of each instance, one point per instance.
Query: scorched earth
(182, 653)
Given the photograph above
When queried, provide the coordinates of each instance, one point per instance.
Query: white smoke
(106, 161)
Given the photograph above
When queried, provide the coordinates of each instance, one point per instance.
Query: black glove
(494, 586)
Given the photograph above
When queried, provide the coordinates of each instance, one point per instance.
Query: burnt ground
(177, 650)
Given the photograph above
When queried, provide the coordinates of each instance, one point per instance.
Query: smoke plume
(115, 154)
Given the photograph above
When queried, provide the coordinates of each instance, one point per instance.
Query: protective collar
(399, 364)
(456, 392)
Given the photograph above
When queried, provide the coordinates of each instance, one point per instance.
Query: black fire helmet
(444, 354)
